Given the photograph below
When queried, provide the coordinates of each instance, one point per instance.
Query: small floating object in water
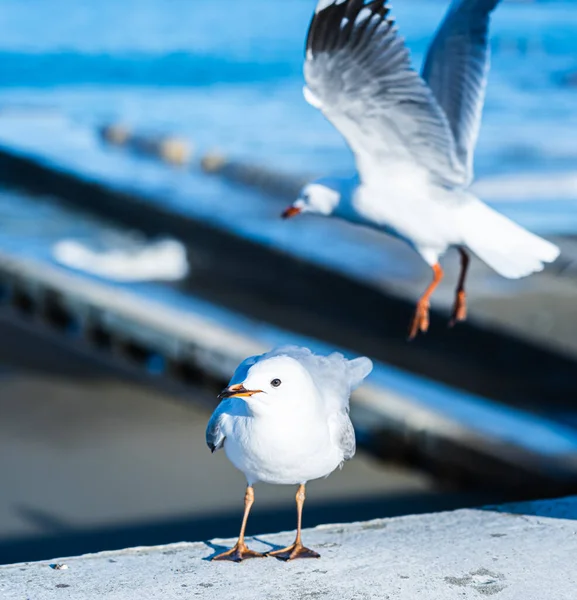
(165, 260)
(168, 148)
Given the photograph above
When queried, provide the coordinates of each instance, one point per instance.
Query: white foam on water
(159, 261)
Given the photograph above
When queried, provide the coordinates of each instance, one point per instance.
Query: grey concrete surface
(512, 552)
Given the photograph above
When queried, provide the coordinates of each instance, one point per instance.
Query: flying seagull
(413, 138)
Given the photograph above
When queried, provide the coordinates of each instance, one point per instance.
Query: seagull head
(320, 197)
(278, 385)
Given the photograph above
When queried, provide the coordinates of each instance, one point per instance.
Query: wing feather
(456, 70)
(358, 71)
(215, 434)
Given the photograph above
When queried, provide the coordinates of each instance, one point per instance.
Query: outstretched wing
(456, 70)
(359, 75)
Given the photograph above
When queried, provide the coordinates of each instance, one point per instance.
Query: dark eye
(275, 382)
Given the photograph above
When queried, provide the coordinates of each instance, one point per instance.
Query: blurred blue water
(229, 74)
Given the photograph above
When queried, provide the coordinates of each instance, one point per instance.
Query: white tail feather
(506, 247)
(358, 369)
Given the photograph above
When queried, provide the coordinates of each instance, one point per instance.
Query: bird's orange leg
(460, 307)
(296, 550)
(421, 319)
(240, 550)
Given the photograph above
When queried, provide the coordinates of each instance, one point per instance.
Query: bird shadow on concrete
(217, 549)
(272, 547)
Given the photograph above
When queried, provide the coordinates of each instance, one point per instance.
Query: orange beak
(291, 211)
(237, 391)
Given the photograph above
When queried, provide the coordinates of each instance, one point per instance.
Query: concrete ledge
(519, 551)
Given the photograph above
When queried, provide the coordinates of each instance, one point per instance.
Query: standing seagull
(284, 419)
(413, 138)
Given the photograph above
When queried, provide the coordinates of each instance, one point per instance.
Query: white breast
(281, 450)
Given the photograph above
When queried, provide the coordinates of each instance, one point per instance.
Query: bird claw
(239, 553)
(460, 309)
(420, 321)
(292, 552)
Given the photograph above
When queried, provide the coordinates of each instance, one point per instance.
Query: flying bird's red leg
(421, 319)
(460, 307)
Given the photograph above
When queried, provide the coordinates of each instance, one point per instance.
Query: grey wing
(347, 441)
(215, 435)
(359, 75)
(456, 70)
